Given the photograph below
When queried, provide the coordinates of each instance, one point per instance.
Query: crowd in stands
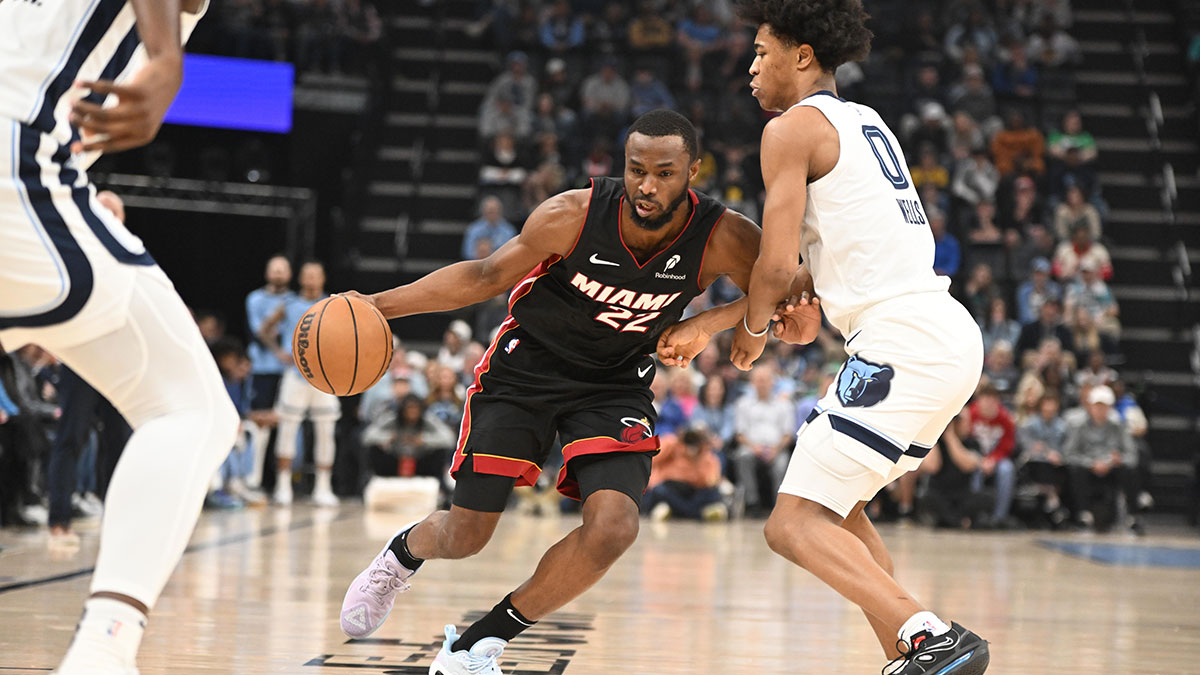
(326, 36)
(1010, 190)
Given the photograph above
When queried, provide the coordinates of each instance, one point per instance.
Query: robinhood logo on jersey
(671, 262)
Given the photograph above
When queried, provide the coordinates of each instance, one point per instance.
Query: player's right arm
(552, 229)
(142, 102)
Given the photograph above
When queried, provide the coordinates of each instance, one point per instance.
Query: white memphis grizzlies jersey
(63, 257)
(866, 238)
(45, 45)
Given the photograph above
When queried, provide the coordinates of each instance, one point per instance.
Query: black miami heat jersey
(599, 307)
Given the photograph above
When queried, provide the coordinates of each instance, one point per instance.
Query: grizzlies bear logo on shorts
(862, 384)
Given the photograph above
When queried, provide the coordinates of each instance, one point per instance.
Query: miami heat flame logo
(635, 429)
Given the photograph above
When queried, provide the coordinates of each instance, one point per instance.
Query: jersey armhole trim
(841, 147)
(587, 210)
(704, 253)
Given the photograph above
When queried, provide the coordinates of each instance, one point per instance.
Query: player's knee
(776, 534)
(611, 534)
(465, 537)
(786, 536)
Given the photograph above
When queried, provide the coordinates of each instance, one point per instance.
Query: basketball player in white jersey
(839, 192)
(80, 77)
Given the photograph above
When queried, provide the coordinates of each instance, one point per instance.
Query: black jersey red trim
(621, 215)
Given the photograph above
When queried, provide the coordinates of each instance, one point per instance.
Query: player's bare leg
(580, 559)
(812, 536)
(570, 567)
(457, 533)
(860, 525)
(454, 534)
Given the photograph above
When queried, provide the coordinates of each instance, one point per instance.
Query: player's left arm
(731, 252)
(787, 146)
(142, 102)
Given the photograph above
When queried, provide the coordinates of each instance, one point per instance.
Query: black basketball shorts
(524, 395)
(265, 387)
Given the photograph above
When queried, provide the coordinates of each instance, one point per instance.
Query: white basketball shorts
(298, 398)
(914, 362)
(65, 260)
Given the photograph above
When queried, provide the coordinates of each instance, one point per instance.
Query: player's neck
(823, 83)
(651, 242)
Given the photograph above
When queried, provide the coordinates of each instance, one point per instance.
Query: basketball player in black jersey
(596, 276)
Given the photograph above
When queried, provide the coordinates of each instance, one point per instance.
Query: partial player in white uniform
(298, 398)
(76, 282)
(839, 192)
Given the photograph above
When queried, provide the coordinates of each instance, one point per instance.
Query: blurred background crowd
(1007, 175)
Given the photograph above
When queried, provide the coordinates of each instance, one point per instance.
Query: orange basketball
(342, 345)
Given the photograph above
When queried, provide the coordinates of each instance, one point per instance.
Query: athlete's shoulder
(564, 205)
(800, 126)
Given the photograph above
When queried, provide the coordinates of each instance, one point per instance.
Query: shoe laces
(897, 664)
(383, 581)
(478, 665)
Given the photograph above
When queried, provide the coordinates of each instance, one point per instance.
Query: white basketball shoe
(481, 659)
(370, 597)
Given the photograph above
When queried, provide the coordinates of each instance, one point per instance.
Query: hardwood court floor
(260, 592)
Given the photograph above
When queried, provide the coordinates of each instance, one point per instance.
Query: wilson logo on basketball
(342, 345)
(302, 344)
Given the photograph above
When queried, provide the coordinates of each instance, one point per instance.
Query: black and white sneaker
(957, 652)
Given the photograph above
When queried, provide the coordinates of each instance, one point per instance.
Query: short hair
(664, 122)
(988, 389)
(227, 346)
(835, 29)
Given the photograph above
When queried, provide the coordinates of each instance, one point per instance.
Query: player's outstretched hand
(365, 298)
(679, 344)
(746, 348)
(142, 103)
(798, 320)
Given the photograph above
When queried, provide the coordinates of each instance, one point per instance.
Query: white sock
(919, 622)
(323, 484)
(283, 481)
(110, 631)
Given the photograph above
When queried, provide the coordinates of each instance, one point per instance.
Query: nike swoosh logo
(945, 644)
(642, 373)
(595, 260)
(514, 618)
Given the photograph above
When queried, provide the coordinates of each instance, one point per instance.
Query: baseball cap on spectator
(972, 70)
(1041, 265)
(1024, 183)
(461, 329)
(555, 66)
(417, 360)
(1101, 394)
(932, 110)
(517, 56)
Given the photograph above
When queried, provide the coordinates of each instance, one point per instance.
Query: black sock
(504, 622)
(399, 548)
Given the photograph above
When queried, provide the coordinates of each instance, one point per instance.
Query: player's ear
(805, 57)
(693, 170)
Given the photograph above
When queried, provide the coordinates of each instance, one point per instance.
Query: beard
(656, 223)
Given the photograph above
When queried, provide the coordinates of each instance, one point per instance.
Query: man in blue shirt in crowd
(267, 356)
(491, 226)
(298, 399)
